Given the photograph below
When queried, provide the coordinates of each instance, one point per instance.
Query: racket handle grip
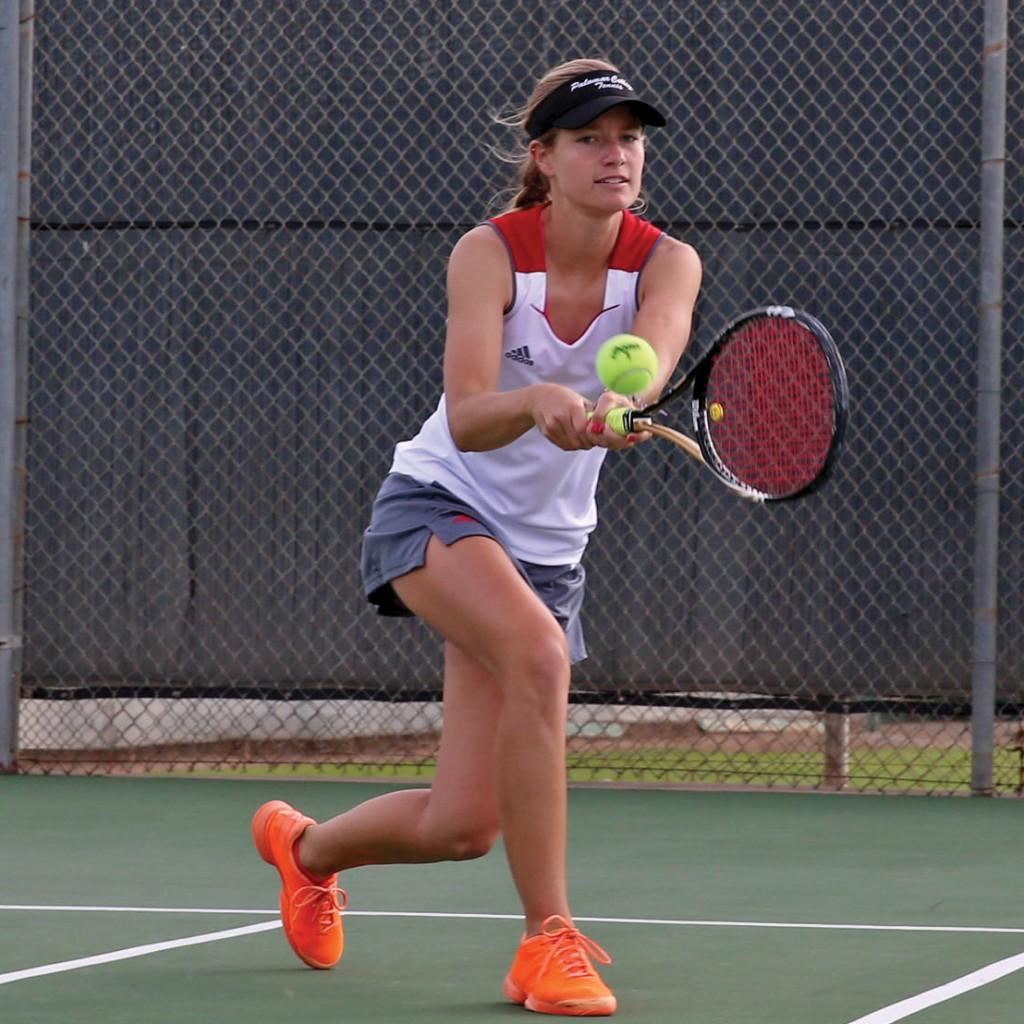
(627, 421)
(616, 420)
(629, 416)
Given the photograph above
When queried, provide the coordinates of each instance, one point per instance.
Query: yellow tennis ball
(715, 411)
(626, 364)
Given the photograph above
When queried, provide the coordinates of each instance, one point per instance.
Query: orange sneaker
(310, 906)
(552, 973)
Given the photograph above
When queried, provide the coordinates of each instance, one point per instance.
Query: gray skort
(406, 513)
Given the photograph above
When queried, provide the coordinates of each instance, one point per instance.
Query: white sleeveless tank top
(539, 496)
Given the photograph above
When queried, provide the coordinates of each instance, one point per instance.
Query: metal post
(837, 749)
(22, 308)
(990, 323)
(9, 641)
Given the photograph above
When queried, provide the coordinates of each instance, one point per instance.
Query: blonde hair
(531, 187)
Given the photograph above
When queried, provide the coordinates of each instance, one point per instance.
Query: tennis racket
(769, 406)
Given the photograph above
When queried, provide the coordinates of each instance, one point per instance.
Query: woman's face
(598, 166)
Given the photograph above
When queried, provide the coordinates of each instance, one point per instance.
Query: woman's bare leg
(455, 819)
(503, 752)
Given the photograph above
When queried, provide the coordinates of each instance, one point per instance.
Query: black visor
(578, 101)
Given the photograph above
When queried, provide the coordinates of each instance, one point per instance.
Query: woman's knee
(473, 843)
(539, 668)
(465, 840)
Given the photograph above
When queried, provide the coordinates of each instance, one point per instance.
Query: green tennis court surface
(718, 907)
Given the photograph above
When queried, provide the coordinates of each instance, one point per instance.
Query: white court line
(676, 922)
(886, 1015)
(134, 951)
(134, 910)
(906, 1007)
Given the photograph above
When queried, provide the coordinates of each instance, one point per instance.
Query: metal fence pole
(990, 319)
(22, 309)
(9, 61)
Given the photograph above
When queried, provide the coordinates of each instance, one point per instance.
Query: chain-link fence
(240, 220)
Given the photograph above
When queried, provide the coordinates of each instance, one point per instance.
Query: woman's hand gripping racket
(769, 406)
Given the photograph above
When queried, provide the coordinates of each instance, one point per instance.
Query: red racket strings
(770, 406)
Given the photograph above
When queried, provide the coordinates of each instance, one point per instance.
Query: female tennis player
(481, 524)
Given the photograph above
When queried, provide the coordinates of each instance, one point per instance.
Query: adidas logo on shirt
(520, 355)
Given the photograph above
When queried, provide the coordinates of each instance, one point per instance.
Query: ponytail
(533, 187)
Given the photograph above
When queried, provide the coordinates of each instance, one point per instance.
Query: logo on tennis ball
(626, 364)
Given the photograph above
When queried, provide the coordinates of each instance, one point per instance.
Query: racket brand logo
(520, 355)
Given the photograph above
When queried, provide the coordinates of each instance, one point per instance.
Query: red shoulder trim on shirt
(636, 240)
(524, 236)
